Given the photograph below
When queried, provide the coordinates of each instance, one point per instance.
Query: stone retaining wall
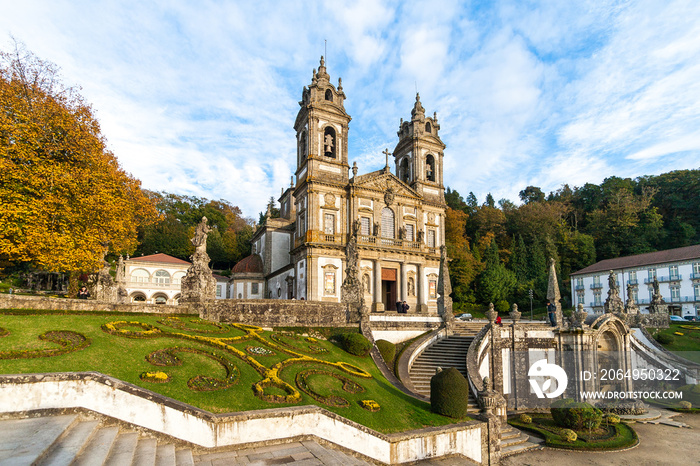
(14, 301)
(129, 403)
(284, 313)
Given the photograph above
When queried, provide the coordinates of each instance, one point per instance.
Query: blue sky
(200, 97)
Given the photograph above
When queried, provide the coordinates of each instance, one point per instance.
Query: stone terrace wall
(275, 312)
(13, 301)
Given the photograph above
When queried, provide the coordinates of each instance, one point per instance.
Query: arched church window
(388, 223)
(329, 142)
(430, 168)
(329, 95)
(302, 146)
(428, 128)
(404, 171)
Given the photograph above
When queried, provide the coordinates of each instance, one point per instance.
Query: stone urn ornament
(491, 314)
(515, 314)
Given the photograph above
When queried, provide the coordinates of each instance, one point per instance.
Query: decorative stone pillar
(378, 304)
(490, 402)
(553, 294)
(421, 306)
(404, 282)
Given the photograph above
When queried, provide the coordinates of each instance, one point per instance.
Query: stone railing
(475, 356)
(98, 393)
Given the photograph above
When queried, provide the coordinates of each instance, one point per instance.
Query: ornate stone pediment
(385, 183)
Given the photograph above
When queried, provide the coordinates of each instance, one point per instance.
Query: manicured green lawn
(686, 345)
(610, 437)
(227, 361)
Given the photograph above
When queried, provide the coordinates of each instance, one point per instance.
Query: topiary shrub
(685, 405)
(663, 338)
(388, 351)
(355, 343)
(696, 388)
(612, 419)
(568, 413)
(449, 393)
(569, 435)
(525, 419)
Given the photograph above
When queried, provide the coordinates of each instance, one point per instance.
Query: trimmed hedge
(449, 393)
(387, 350)
(576, 416)
(355, 343)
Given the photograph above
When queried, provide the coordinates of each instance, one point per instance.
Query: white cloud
(200, 98)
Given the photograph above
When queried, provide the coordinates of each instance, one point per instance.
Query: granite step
(64, 451)
(25, 441)
(123, 449)
(96, 452)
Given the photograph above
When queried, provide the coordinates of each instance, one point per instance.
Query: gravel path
(659, 445)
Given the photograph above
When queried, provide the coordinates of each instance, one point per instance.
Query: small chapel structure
(398, 218)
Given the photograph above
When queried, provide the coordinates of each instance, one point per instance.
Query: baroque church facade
(398, 218)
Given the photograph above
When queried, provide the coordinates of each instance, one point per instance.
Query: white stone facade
(677, 271)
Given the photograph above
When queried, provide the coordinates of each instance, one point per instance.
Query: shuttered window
(409, 232)
(388, 223)
(364, 226)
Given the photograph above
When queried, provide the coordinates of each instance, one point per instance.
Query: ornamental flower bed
(155, 377)
(370, 405)
(68, 341)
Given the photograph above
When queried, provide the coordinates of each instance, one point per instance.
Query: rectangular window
(254, 288)
(673, 272)
(329, 224)
(596, 298)
(329, 283)
(581, 298)
(675, 293)
(579, 282)
(652, 274)
(218, 291)
(596, 280)
(696, 269)
(364, 226)
(696, 288)
(633, 278)
(431, 238)
(432, 289)
(409, 232)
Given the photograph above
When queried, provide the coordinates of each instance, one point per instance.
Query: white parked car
(465, 317)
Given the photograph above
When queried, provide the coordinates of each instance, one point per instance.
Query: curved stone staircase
(81, 440)
(452, 352)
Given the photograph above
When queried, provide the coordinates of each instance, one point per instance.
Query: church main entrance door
(389, 289)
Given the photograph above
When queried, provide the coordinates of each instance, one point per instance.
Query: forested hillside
(228, 242)
(500, 250)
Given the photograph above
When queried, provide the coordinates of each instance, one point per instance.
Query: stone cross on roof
(387, 154)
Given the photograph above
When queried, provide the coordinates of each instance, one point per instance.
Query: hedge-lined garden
(216, 367)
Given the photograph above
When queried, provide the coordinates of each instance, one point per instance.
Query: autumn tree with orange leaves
(63, 195)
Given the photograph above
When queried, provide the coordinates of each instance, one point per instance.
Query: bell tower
(322, 131)
(419, 153)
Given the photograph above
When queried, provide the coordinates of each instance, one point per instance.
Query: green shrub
(569, 435)
(663, 338)
(449, 393)
(696, 388)
(388, 351)
(685, 405)
(612, 419)
(502, 307)
(568, 413)
(355, 343)
(525, 419)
